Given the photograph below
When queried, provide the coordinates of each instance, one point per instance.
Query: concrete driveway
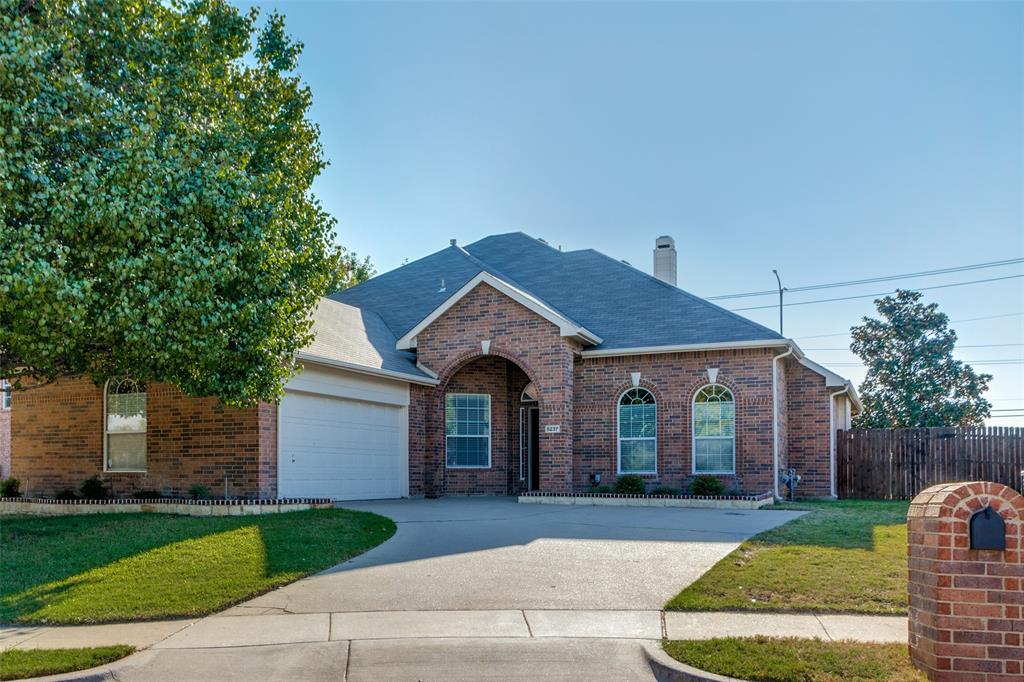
(492, 553)
(467, 589)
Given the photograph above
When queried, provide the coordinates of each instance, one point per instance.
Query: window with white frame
(714, 431)
(638, 437)
(125, 425)
(467, 428)
(5, 395)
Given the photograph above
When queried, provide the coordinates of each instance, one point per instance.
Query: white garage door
(341, 448)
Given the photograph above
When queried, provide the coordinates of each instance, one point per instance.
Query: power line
(968, 319)
(958, 346)
(884, 293)
(872, 280)
(969, 362)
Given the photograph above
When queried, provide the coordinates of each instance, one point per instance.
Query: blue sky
(833, 141)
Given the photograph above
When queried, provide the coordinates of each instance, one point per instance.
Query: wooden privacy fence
(895, 464)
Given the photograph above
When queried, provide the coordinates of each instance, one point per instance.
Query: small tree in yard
(156, 219)
(913, 379)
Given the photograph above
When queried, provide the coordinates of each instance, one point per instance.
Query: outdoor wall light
(595, 477)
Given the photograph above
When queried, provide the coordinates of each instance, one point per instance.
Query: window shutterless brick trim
(966, 621)
(57, 442)
(674, 378)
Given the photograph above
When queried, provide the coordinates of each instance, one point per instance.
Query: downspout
(832, 438)
(775, 421)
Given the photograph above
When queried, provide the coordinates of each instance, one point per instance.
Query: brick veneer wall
(674, 379)
(504, 382)
(5, 442)
(966, 621)
(808, 446)
(57, 442)
(581, 394)
(515, 334)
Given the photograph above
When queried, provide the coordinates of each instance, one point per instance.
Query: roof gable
(566, 326)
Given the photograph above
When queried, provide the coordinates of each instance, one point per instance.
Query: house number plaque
(552, 428)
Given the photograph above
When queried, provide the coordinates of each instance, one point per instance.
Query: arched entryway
(490, 442)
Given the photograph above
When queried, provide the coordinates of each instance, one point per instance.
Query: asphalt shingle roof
(357, 336)
(627, 308)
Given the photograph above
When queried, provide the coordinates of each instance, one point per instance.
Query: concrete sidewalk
(138, 635)
(245, 643)
(237, 628)
(711, 624)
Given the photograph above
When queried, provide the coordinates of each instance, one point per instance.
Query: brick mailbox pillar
(967, 593)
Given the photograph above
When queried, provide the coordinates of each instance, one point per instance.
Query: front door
(533, 447)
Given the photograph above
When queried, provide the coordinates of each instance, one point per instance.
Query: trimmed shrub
(602, 489)
(199, 492)
(630, 484)
(66, 494)
(666, 491)
(10, 487)
(92, 488)
(707, 485)
(147, 495)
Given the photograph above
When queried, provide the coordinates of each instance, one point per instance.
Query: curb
(668, 669)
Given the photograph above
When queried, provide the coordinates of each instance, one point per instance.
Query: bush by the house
(602, 489)
(66, 494)
(665, 491)
(707, 485)
(630, 485)
(10, 487)
(199, 492)
(92, 488)
(147, 494)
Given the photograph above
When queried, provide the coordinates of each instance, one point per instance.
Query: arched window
(124, 406)
(714, 431)
(638, 441)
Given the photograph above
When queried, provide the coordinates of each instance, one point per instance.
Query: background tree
(913, 379)
(156, 218)
(354, 270)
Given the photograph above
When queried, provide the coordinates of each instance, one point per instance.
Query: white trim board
(566, 327)
(363, 369)
(683, 348)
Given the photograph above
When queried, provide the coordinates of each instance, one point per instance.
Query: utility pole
(781, 290)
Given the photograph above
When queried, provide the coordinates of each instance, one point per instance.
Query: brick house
(495, 368)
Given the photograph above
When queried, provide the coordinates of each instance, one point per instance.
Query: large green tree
(913, 379)
(156, 219)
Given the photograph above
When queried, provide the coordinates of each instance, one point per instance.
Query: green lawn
(17, 664)
(844, 556)
(124, 567)
(768, 659)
